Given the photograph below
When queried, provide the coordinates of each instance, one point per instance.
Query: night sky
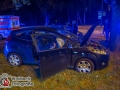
(31, 15)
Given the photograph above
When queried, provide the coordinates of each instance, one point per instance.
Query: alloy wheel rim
(84, 67)
(14, 60)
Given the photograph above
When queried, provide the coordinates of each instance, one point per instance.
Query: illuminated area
(96, 48)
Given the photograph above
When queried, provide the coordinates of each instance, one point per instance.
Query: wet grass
(105, 79)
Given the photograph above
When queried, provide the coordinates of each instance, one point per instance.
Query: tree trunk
(75, 25)
(84, 16)
(114, 43)
(46, 18)
(69, 16)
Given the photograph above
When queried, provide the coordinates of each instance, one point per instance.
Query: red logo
(6, 82)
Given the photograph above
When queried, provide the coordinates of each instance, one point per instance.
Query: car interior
(50, 42)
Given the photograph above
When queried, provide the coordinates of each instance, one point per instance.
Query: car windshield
(69, 35)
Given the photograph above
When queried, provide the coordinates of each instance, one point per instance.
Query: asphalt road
(97, 33)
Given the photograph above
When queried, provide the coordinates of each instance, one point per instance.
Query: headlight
(96, 50)
(99, 51)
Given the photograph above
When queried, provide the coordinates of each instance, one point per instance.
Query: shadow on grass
(37, 71)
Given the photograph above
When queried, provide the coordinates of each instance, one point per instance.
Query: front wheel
(84, 65)
(14, 59)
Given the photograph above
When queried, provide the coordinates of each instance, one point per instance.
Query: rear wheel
(1, 37)
(14, 59)
(84, 65)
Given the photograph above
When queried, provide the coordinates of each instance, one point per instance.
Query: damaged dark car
(55, 50)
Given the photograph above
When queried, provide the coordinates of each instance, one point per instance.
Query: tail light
(9, 38)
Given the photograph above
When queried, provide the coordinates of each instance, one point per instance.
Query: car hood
(85, 38)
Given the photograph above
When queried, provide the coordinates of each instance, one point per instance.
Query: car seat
(60, 42)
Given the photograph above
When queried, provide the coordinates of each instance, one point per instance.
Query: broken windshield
(69, 35)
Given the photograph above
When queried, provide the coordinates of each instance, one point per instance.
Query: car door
(24, 46)
(52, 60)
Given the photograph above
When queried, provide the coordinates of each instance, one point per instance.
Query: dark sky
(31, 14)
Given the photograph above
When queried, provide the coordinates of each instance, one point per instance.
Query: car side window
(39, 32)
(70, 45)
(43, 32)
(24, 35)
(50, 42)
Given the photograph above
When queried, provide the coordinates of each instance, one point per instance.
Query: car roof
(35, 28)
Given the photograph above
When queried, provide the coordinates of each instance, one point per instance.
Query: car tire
(84, 65)
(1, 37)
(14, 59)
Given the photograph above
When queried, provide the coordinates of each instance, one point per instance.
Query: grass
(105, 79)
